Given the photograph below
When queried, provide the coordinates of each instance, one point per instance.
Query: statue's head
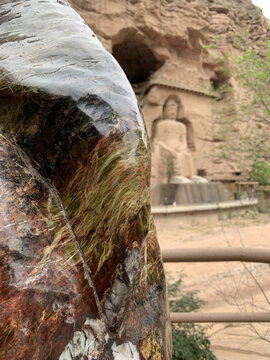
(170, 109)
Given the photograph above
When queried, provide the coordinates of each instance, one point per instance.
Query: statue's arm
(182, 143)
(167, 148)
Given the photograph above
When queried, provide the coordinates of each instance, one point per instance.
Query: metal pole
(198, 317)
(257, 255)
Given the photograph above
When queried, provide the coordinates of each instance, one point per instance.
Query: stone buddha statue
(170, 142)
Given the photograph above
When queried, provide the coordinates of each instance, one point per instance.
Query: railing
(257, 255)
(200, 317)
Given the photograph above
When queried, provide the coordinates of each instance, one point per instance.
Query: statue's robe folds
(81, 275)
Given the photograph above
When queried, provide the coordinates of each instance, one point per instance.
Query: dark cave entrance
(137, 60)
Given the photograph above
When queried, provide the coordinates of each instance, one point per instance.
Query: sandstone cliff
(165, 48)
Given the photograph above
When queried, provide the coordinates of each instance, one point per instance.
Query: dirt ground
(228, 286)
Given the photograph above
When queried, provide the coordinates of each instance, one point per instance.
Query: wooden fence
(257, 255)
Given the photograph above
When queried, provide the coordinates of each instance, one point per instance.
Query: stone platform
(189, 194)
(174, 217)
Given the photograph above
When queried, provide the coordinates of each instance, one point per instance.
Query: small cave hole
(220, 80)
(215, 83)
(201, 172)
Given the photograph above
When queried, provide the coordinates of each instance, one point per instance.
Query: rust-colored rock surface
(81, 275)
(173, 48)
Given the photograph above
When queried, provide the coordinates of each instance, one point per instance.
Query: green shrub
(190, 341)
(171, 169)
(260, 172)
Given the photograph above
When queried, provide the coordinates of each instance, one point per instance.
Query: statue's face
(171, 110)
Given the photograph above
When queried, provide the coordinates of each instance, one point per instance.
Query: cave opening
(137, 60)
(220, 81)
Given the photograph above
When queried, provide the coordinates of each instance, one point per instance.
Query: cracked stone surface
(81, 276)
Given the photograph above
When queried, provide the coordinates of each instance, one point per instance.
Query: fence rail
(256, 255)
(200, 317)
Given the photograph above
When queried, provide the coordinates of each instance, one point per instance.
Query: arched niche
(135, 57)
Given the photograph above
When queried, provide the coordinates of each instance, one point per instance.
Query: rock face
(81, 275)
(161, 46)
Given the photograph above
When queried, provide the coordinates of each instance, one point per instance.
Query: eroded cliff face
(171, 48)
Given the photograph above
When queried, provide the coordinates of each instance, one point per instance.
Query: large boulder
(81, 276)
